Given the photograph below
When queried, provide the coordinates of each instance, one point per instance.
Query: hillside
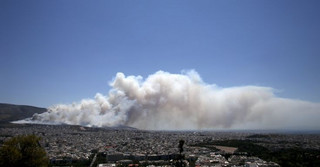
(10, 112)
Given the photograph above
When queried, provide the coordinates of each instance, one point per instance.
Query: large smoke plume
(183, 101)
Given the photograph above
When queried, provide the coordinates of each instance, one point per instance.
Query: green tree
(23, 151)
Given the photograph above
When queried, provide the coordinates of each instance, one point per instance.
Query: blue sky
(63, 51)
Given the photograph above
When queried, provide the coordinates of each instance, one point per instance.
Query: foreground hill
(11, 112)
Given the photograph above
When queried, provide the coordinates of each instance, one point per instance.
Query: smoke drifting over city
(165, 101)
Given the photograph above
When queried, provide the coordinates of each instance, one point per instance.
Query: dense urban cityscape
(124, 146)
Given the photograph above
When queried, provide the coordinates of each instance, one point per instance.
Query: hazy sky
(63, 51)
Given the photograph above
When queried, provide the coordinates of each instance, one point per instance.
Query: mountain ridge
(13, 112)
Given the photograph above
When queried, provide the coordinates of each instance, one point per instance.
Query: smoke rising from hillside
(183, 101)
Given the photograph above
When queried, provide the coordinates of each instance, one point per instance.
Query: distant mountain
(11, 112)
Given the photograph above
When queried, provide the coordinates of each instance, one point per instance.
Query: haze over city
(164, 65)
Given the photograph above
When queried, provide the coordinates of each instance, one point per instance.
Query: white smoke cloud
(183, 101)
